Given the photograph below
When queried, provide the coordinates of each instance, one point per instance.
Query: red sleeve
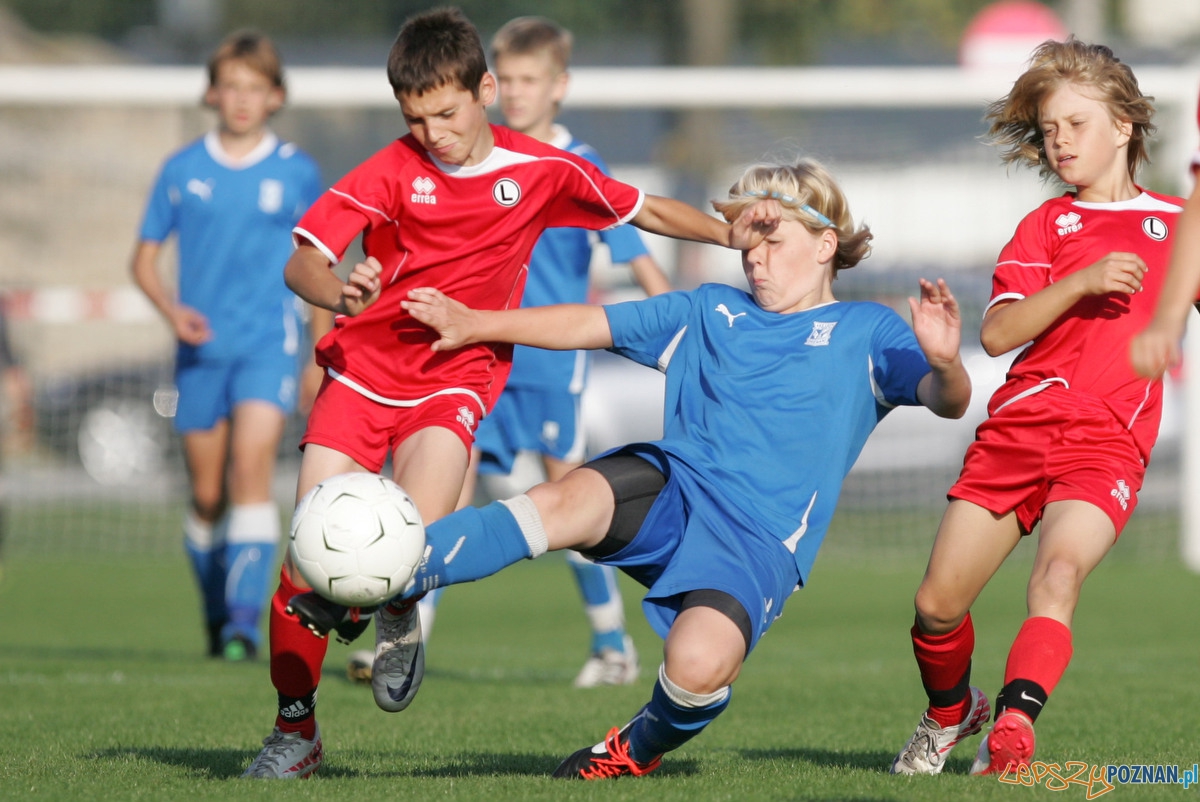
(360, 201)
(1023, 267)
(588, 198)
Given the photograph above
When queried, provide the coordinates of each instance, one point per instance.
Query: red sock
(1040, 653)
(945, 665)
(296, 658)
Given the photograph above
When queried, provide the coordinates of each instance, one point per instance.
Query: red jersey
(468, 231)
(1087, 348)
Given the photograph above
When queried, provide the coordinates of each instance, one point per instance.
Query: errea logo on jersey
(1121, 494)
(1068, 223)
(424, 187)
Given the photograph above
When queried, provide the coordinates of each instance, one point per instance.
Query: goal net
(90, 463)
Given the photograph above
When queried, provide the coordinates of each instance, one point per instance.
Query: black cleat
(323, 616)
(606, 760)
(216, 646)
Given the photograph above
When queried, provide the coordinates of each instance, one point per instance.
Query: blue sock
(208, 565)
(209, 570)
(602, 602)
(476, 542)
(247, 586)
(663, 724)
(254, 532)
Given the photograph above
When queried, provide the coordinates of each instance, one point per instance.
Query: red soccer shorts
(1053, 445)
(368, 431)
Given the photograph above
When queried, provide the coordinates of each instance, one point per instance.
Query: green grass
(103, 694)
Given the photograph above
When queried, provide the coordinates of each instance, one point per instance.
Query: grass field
(103, 694)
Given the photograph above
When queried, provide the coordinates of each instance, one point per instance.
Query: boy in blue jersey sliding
(232, 197)
(770, 396)
(539, 410)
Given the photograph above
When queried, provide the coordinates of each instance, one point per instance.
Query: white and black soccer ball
(357, 539)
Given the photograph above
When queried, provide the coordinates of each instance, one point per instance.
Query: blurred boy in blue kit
(539, 410)
(232, 198)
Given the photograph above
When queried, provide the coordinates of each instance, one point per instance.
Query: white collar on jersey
(560, 137)
(498, 158)
(212, 143)
(1145, 202)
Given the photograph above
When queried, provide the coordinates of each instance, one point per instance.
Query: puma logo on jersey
(820, 334)
(730, 316)
(1121, 494)
(201, 189)
(424, 187)
(1068, 223)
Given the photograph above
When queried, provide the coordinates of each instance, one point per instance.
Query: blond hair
(254, 50)
(526, 36)
(809, 195)
(1015, 126)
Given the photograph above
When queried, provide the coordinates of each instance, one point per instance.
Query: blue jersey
(766, 413)
(558, 274)
(234, 221)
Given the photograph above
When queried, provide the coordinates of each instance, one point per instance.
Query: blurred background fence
(90, 463)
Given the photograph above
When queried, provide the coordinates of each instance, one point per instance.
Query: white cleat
(399, 664)
(928, 748)
(286, 756)
(610, 667)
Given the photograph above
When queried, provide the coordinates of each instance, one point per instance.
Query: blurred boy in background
(232, 197)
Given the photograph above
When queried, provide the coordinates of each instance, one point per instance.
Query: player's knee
(686, 692)
(1057, 582)
(208, 504)
(572, 512)
(700, 671)
(937, 612)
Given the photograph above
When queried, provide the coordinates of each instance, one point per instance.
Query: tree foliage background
(767, 31)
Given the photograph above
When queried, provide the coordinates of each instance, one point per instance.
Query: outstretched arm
(1015, 323)
(946, 389)
(560, 327)
(1157, 348)
(673, 218)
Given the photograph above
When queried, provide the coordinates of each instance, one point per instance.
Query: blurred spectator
(16, 393)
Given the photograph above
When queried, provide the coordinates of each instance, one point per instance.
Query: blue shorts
(689, 541)
(208, 391)
(530, 419)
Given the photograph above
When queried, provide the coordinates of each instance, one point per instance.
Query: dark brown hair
(436, 48)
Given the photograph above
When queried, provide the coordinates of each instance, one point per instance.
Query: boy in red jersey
(1070, 432)
(457, 204)
(1156, 349)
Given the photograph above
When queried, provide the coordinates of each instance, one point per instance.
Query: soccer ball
(357, 539)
